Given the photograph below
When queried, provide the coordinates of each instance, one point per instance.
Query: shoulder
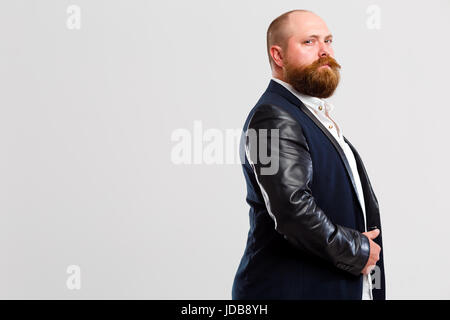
(278, 122)
(267, 115)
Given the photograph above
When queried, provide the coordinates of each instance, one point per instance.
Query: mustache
(323, 61)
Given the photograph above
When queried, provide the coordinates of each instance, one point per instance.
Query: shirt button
(330, 126)
(320, 107)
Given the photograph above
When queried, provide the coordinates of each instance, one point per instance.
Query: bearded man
(315, 228)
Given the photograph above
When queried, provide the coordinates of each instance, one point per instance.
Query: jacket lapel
(371, 201)
(335, 144)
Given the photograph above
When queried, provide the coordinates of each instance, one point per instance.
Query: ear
(277, 55)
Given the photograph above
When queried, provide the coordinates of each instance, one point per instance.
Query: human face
(309, 39)
(308, 64)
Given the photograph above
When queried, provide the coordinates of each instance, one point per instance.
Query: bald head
(286, 25)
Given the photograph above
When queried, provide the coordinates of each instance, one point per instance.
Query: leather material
(288, 197)
(276, 264)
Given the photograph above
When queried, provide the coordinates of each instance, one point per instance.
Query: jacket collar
(312, 102)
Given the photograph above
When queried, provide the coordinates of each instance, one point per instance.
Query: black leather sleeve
(287, 194)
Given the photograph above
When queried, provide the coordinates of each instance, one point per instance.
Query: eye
(308, 41)
(329, 40)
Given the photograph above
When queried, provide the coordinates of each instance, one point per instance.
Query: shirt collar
(317, 104)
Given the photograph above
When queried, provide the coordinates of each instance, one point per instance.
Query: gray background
(86, 118)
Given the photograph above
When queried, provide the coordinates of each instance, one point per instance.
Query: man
(315, 229)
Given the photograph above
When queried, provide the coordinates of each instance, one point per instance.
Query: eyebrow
(316, 36)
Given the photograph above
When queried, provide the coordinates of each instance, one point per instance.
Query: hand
(374, 251)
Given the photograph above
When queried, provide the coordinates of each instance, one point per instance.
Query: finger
(374, 233)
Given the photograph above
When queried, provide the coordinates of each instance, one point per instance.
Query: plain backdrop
(87, 115)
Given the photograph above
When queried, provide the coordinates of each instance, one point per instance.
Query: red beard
(311, 80)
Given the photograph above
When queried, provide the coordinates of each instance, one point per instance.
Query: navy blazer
(271, 267)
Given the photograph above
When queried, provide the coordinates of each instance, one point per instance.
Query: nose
(324, 50)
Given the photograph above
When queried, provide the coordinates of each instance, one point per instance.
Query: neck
(278, 74)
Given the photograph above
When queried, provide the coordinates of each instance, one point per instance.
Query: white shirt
(321, 109)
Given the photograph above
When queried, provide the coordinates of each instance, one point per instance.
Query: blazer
(305, 239)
